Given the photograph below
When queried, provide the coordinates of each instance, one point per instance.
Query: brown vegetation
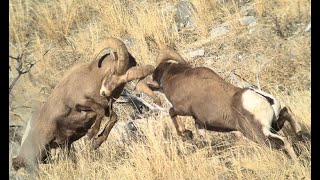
(276, 50)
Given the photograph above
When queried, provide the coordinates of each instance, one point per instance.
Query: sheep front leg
(282, 143)
(96, 126)
(102, 137)
(183, 132)
(200, 129)
(143, 86)
(100, 111)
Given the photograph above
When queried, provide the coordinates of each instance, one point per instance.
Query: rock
(167, 7)
(247, 10)
(15, 133)
(220, 30)
(196, 53)
(308, 28)
(248, 21)
(184, 16)
(129, 41)
(215, 161)
(131, 126)
(128, 131)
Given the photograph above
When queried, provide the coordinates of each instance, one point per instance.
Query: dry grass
(65, 32)
(162, 155)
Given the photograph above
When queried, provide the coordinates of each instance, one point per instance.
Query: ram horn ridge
(168, 53)
(121, 54)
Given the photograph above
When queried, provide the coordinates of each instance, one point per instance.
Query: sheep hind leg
(282, 143)
(180, 127)
(261, 135)
(71, 152)
(284, 115)
(102, 137)
(100, 111)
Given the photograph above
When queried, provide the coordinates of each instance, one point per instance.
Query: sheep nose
(104, 93)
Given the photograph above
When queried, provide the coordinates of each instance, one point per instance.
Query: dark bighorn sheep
(218, 105)
(78, 103)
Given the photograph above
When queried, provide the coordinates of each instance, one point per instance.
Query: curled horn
(121, 54)
(168, 53)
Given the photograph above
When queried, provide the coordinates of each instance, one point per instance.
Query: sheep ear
(137, 72)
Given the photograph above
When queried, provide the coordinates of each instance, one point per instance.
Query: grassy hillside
(276, 49)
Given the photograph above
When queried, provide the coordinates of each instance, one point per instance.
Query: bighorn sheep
(218, 105)
(78, 103)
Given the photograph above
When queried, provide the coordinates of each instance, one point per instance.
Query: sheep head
(166, 53)
(120, 73)
(111, 81)
(123, 71)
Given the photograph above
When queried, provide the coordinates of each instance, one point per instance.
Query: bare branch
(47, 50)
(16, 58)
(258, 75)
(19, 66)
(14, 82)
(152, 106)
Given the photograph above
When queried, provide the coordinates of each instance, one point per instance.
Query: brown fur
(213, 103)
(145, 86)
(75, 106)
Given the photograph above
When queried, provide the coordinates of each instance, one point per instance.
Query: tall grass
(66, 32)
(162, 155)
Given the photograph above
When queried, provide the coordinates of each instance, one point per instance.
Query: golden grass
(65, 32)
(160, 156)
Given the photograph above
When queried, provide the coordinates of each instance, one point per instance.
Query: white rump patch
(173, 61)
(26, 132)
(259, 107)
(276, 104)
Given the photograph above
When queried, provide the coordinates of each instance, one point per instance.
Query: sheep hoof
(302, 136)
(90, 135)
(157, 102)
(187, 134)
(17, 163)
(96, 143)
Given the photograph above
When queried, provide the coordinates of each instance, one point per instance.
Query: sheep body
(218, 105)
(76, 107)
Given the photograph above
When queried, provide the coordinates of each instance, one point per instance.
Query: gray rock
(196, 53)
(129, 41)
(184, 16)
(16, 133)
(167, 7)
(308, 28)
(247, 10)
(215, 161)
(220, 30)
(248, 21)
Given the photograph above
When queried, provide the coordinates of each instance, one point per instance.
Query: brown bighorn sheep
(218, 105)
(76, 107)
